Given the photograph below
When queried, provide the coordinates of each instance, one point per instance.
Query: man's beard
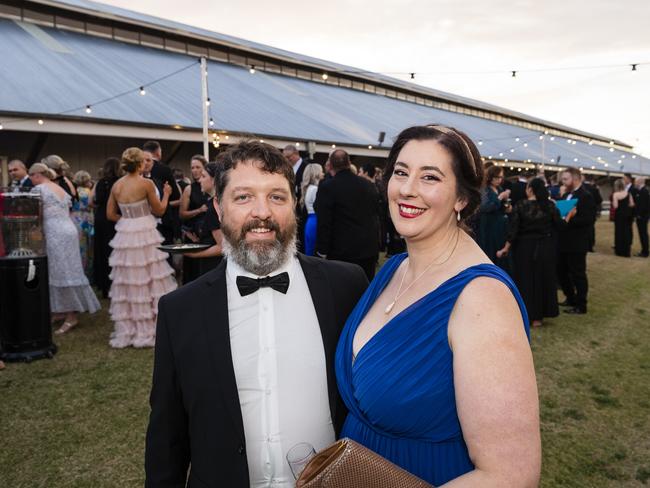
(259, 257)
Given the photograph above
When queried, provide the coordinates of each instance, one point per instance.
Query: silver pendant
(389, 307)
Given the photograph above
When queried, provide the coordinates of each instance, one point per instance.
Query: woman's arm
(614, 202)
(184, 213)
(112, 210)
(496, 391)
(158, 207)
(212, 251)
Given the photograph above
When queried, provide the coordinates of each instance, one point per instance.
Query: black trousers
(642, 227)
(572, 275)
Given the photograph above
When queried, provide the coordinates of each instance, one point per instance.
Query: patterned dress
(82, 216)
(140, 276)
(69, 287)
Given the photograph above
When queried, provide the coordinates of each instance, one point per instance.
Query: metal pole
(204, 103)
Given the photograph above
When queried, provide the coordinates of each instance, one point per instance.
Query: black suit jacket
(347, 207)
(164, 174)
(574, 237)
(641, 202)
(195, 411)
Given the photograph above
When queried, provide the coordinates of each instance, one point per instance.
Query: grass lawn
(79, 420)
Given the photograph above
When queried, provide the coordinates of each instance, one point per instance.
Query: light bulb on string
(207, 102)
(88, 109)
(514, 74)
(611, 149)
(633, 155)
(552, 138)
(634, 67)
(480, 143)
(412, 76)
(541, 138)
(143, 92)
(40, 122)
(370, 147)
(297, 144)
(324, 76)
(252, 69)
(525, 144)
(211, 122)
(1, 127)
(512, 150)
(516, 139)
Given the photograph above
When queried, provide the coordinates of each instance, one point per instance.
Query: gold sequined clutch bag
(347, 464)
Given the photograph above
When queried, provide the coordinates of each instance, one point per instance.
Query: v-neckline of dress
(402, 312)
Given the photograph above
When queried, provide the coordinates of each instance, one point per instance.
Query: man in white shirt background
(244, 366)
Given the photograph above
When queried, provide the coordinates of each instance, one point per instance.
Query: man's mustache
(260, 224)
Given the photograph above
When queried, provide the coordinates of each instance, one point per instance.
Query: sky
(467, 47)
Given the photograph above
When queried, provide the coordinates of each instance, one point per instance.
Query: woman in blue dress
(434, 363)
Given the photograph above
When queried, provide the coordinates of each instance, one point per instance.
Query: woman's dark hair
(269, 159)
(111, 169)
(213, 169)
(200, 159)
(491, 173)
(538, 187)
(466, 160)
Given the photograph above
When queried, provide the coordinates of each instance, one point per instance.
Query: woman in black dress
(198, 263)
(492, 220)
(104, 228)
(532, 237)
(194, 202)
(623, 205)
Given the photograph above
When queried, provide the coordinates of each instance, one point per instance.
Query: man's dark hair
(369, 169)
(628, 176)
(575, 172)
(151, 146)
(268, 158)
(339, 160)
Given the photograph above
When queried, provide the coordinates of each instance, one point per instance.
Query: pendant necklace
(390, 306)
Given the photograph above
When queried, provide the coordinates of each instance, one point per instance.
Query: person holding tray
(140, 273)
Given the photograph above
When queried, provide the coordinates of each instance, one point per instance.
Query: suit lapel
(216, 325)
(321, 295)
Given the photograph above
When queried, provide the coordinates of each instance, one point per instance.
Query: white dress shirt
(296, 166)
(279, 364)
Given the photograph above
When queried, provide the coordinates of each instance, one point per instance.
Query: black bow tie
(279, 282)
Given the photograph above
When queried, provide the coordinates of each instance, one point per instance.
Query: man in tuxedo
(641, 197)
(19, 178)
(590, 185)
(347, 209)
(244, 359)
(574, 243)
(163, 174)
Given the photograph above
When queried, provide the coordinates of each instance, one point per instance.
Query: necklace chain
(390, 306)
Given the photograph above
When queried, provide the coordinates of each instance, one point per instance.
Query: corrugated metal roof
(51, 71)
(141, 19)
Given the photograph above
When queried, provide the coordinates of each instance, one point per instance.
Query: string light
(88, 109)
(143, 92)
(611, 149)
(412, 76)
(252, 69)
(297, 143)
(552, 138)
(501, 154)
(633, 155)
(333, 146)
(514, 74)
(516, 139)
(40, 122)
(525, 144)
(480, 143)
(512, 150)
(634, 67)
(370, 147)
(324, 76)
(541, 138)
(207, 102)
(211, 122)
(1, 127)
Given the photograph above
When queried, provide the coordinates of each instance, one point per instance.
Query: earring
(458, 216)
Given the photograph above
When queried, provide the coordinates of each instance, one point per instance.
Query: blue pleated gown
(400, 387)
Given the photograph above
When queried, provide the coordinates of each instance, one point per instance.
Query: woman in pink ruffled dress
(139, 271)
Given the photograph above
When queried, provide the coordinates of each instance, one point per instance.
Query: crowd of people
(281, 330)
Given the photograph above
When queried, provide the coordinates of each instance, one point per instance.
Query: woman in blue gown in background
(434, 363)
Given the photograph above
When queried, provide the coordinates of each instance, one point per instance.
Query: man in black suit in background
(574, 243)
(347, 213)
(164, 174)
(244, 358)
(590, 185)
(641, 197)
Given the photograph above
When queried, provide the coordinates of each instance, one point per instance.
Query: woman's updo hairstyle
(43, 169)
(132, 159)
(466, 161)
